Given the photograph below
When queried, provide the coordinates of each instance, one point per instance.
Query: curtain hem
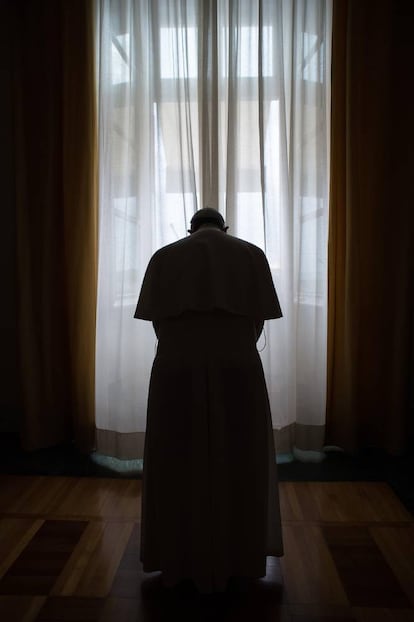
(130, 445)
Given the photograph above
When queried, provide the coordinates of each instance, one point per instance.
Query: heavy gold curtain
(56, 218)
(370, 324)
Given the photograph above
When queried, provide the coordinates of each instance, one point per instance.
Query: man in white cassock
(210, 504)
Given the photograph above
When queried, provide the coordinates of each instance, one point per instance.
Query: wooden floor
(69, 550)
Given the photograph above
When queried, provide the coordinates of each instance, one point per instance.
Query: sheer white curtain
(222, 103)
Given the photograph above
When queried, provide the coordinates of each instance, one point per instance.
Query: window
(255, 139)
(228, 102)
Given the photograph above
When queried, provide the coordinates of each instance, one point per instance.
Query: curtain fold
(79, 170)
(56, 161)
(227, 104)
(370, 243)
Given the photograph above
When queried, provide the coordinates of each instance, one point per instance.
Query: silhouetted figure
(210, 504)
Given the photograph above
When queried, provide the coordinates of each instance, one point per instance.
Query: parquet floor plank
(69, 551)
(340, 502)
(105, 497)
(70, 497)
(123, 610)
(123, 502)
(21, 608)
(71, 609)
(365, 575)
(15, 534)
(384, 503)
(38, 497)
(12, 488)
(98, 574)
(397, 546)
(308, 570)
(375, 614)
(129, 576)
(320, 613)
(68, 580)
(35, 570)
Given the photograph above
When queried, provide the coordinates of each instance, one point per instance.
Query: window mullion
(208, 103)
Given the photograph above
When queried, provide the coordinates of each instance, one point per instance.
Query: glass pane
(120, 59)
(248, 52)
(313, 55)
(178, 52)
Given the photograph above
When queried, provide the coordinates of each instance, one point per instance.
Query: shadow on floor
(66, 460)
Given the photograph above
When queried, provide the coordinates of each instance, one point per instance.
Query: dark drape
(9, 381)
(370, 323)
(56, 218)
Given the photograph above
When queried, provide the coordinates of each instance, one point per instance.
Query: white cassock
(210, 503)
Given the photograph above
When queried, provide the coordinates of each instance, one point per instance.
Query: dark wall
(9, 376)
